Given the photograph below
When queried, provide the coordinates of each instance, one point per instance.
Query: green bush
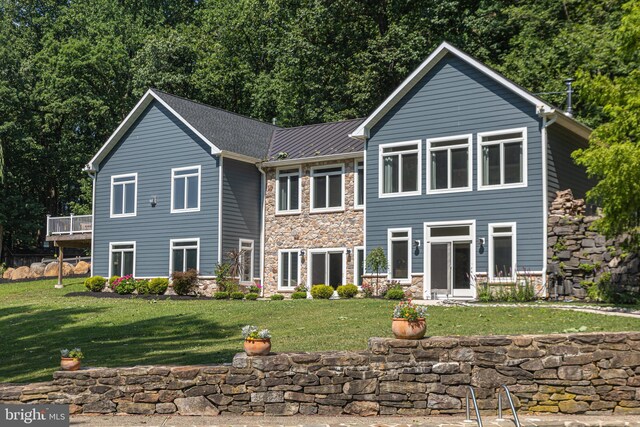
(95, 283)
(184, 283)
(113, 279)
(221, 295)
(484, 293)
(251, 296)
(321, 291)
(277, 297)
(142, 286)
(347, 291)
(124, 285)
(237, 295)
(395, 293)
(299, 295)
(158, 286)
(253, 289)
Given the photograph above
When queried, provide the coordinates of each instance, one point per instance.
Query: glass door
(461, 277)
(440, 269)
(327, 268)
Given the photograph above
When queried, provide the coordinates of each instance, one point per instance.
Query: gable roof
(542, 107)
(222, 130)
(323, 139)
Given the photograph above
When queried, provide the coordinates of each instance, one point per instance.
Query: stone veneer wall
(308, 230)
(569, 373)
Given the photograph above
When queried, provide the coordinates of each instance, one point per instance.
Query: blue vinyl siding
(155, 144)
(455, 98)
(563, 172)
(241, 207)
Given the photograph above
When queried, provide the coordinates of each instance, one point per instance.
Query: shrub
(395, 293)
(484, 293)
(184, 283)
(95, 283)
(221, 295)
(277, 297)
(237, 295)
(321, 291)
(367, 290)
(347, 291)
(113, 279)
(228, 286)
(301, 288)
(158, 286)
(253, 289)
(142, 286)
(125, 285)
(251, 296)
(299, 295)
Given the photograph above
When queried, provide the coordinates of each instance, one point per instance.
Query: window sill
(327, 210)
(450, 191)
(288, 213)
(358, 208)
(122, 215)
(394, 195)
(184, 210)
(501, 187)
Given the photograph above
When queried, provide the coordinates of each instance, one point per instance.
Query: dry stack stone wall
(571, 374)
(580, 255)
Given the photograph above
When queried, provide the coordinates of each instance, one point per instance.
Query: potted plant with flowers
(256, 342)
(70, 359)
(409, 321)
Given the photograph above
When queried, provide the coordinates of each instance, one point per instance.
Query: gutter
(303, 160)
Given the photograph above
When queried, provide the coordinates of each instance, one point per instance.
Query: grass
(37, 320)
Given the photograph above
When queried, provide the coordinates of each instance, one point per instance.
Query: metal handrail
(510, 400)
(475, 407)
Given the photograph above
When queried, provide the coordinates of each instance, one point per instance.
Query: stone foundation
(596, 373)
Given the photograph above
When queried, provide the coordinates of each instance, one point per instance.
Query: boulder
(21, 273)
(7, 273)
(195, 406)
(82, 267)
(52, 269)
(37, 269)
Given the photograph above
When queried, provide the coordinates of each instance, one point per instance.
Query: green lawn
(37, 320)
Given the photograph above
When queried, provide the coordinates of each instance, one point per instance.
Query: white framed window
(502, 159)
(185, 189)
(246, 260)
(327, 188)
(288, 268)
(326, 266)
(358, 265)
(184, 254)
(358, 197)
(124, 194)
(449, 166)
(122, 259)
(288, 191)
(502, 251)
(399, 248)
(400, 169)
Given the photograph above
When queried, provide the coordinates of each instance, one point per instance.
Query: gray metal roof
(315, 140)
(226, 130)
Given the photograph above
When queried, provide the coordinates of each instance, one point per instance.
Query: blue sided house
(452, 175)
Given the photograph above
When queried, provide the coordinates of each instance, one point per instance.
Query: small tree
(377, 261)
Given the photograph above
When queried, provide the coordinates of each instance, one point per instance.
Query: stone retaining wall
(579, 373)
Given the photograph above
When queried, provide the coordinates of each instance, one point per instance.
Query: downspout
(546, 122)
(263, 193)
(92, 174)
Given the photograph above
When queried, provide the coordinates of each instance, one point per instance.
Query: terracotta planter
(69, 363)
(403, 329)
(257, 347)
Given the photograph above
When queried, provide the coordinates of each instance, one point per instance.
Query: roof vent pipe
(273, 121)
(569, 111)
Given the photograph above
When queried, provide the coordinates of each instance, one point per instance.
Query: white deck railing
(74, 224)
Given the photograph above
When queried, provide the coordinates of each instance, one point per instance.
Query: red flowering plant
(409, 311)
(124, 285)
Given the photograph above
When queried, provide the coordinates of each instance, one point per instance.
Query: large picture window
(185, 189)
(502, 251)
(123, 195)
(122, 256)
(399, 245)
(327, 187)
(502, 159)
(400, 168)
(246, 261)
(289, 271)
(185, 254)
(288, 191)
(449, 164)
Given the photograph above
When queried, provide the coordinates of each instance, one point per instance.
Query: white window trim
(356, 261)
(469, 145)
(135, 195)
(311, 190)
(111, 245)
(514, 251)
(173, 176)
(240, 242)
(172, 241)
(280, 252)
(326, 250)
(288, 211)
(381, 193)
(409, 253)
(356, 182)
(480, 144)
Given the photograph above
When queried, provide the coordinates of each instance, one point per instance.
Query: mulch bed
(114, 295)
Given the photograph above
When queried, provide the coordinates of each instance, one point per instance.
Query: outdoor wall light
(302, 253)
(416, 244)
(153, 201)
(348, 252)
